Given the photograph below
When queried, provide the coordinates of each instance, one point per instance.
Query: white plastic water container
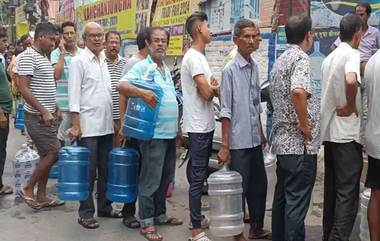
(364, 199)
(23, 166)
(226, 211)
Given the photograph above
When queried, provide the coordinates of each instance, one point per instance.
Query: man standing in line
(340, 131)
(158, 155)
(295, 131)
(242, 135)
(61, 59)
(37, 86)
(199, 90)
(5, 110)
(115, 64)
(129, 209)
(90, 103)
(372, 140)
(371, 38)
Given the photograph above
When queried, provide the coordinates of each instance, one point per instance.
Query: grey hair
(241, 24)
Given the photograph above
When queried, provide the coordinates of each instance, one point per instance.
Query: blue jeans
(99, 148)
(158, 158)
(200, 150)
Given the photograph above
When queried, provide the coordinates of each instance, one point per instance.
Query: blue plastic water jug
(54, 171)
(123, 173)
(20, 117)
(140, 119)
(74, 173)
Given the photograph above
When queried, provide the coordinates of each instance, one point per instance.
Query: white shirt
(372, 93)
(343, 60)
(198, 114)
(90, 94)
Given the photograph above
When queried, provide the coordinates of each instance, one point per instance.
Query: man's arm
(23, 85)
(352, 82)
(3, 119)
(59, 66)
(299, 100)
(224, 155)
(206, 91)
(129, 90)
(76, 76)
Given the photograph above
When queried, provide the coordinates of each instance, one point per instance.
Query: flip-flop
(31, 202)
(171, 221)
(52, 203)
(148, 234)
(5, 190)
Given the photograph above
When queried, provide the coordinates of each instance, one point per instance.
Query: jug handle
(225, 168)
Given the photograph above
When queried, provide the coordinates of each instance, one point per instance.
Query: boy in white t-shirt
(199, 89)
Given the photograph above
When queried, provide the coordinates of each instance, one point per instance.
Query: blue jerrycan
(20, 117)
(140, 119)
(123, 174)
(74, 173)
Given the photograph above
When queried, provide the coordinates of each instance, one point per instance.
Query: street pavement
(20, 223)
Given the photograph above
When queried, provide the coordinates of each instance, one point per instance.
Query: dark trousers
(158, 158)
(99, 148)
(250, 164)
(3, 148)
(200, 148)
(343, 168)
(295, 181)
(129, 209)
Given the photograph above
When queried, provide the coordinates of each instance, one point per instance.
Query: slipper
(131, 222)
(171, 221)
(148, 235)
(260, 234)
(52, 203)
(31, 202)
(200, 237)
(111, 214)
(89, 223)
(5, 190)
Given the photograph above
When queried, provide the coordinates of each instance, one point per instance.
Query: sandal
(151, 235)
(200, 237)
(52, 203)
(260, 234)
(171, 221)
(31, 202)
(111, 214)
(89, 223)
(131, 222)
(5, 190)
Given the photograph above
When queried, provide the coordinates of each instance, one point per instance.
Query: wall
(266, 12)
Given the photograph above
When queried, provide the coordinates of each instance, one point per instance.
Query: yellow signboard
(112, 15)
(172, 14)
(22, 26)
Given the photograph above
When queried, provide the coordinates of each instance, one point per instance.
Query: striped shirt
(63, 82)
(167, 120)
(116, 70)
(42, 83)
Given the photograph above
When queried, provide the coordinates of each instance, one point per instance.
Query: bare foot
(27, 192)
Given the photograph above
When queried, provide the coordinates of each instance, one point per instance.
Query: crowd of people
(80, 94)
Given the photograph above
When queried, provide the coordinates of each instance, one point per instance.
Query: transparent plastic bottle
(316, 59)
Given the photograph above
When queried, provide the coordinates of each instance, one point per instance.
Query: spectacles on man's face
(95, 35)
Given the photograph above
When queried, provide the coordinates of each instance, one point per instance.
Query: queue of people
(73, 94)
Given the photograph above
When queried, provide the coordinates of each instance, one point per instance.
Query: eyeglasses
(95, 35)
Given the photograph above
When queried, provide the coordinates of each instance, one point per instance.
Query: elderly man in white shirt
(340, 131)
(90, 103)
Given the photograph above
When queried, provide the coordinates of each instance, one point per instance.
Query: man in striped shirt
(37, 86)
(61, 59)
(115, 64)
